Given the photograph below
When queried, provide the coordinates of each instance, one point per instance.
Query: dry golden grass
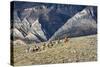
(78, 49)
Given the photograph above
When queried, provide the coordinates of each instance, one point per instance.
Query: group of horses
(46, 45)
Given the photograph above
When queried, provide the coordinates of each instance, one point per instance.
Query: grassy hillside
(78, 49)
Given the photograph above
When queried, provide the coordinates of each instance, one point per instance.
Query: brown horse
(66, 39)
(50, 44)
(36, 48)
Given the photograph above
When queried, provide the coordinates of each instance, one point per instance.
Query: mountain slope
(80, 24)
(37, 29)
(44, 20)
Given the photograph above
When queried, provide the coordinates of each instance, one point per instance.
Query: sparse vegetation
(78, 49)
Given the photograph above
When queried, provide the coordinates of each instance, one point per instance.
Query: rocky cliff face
(82, 23)
(38, 22)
